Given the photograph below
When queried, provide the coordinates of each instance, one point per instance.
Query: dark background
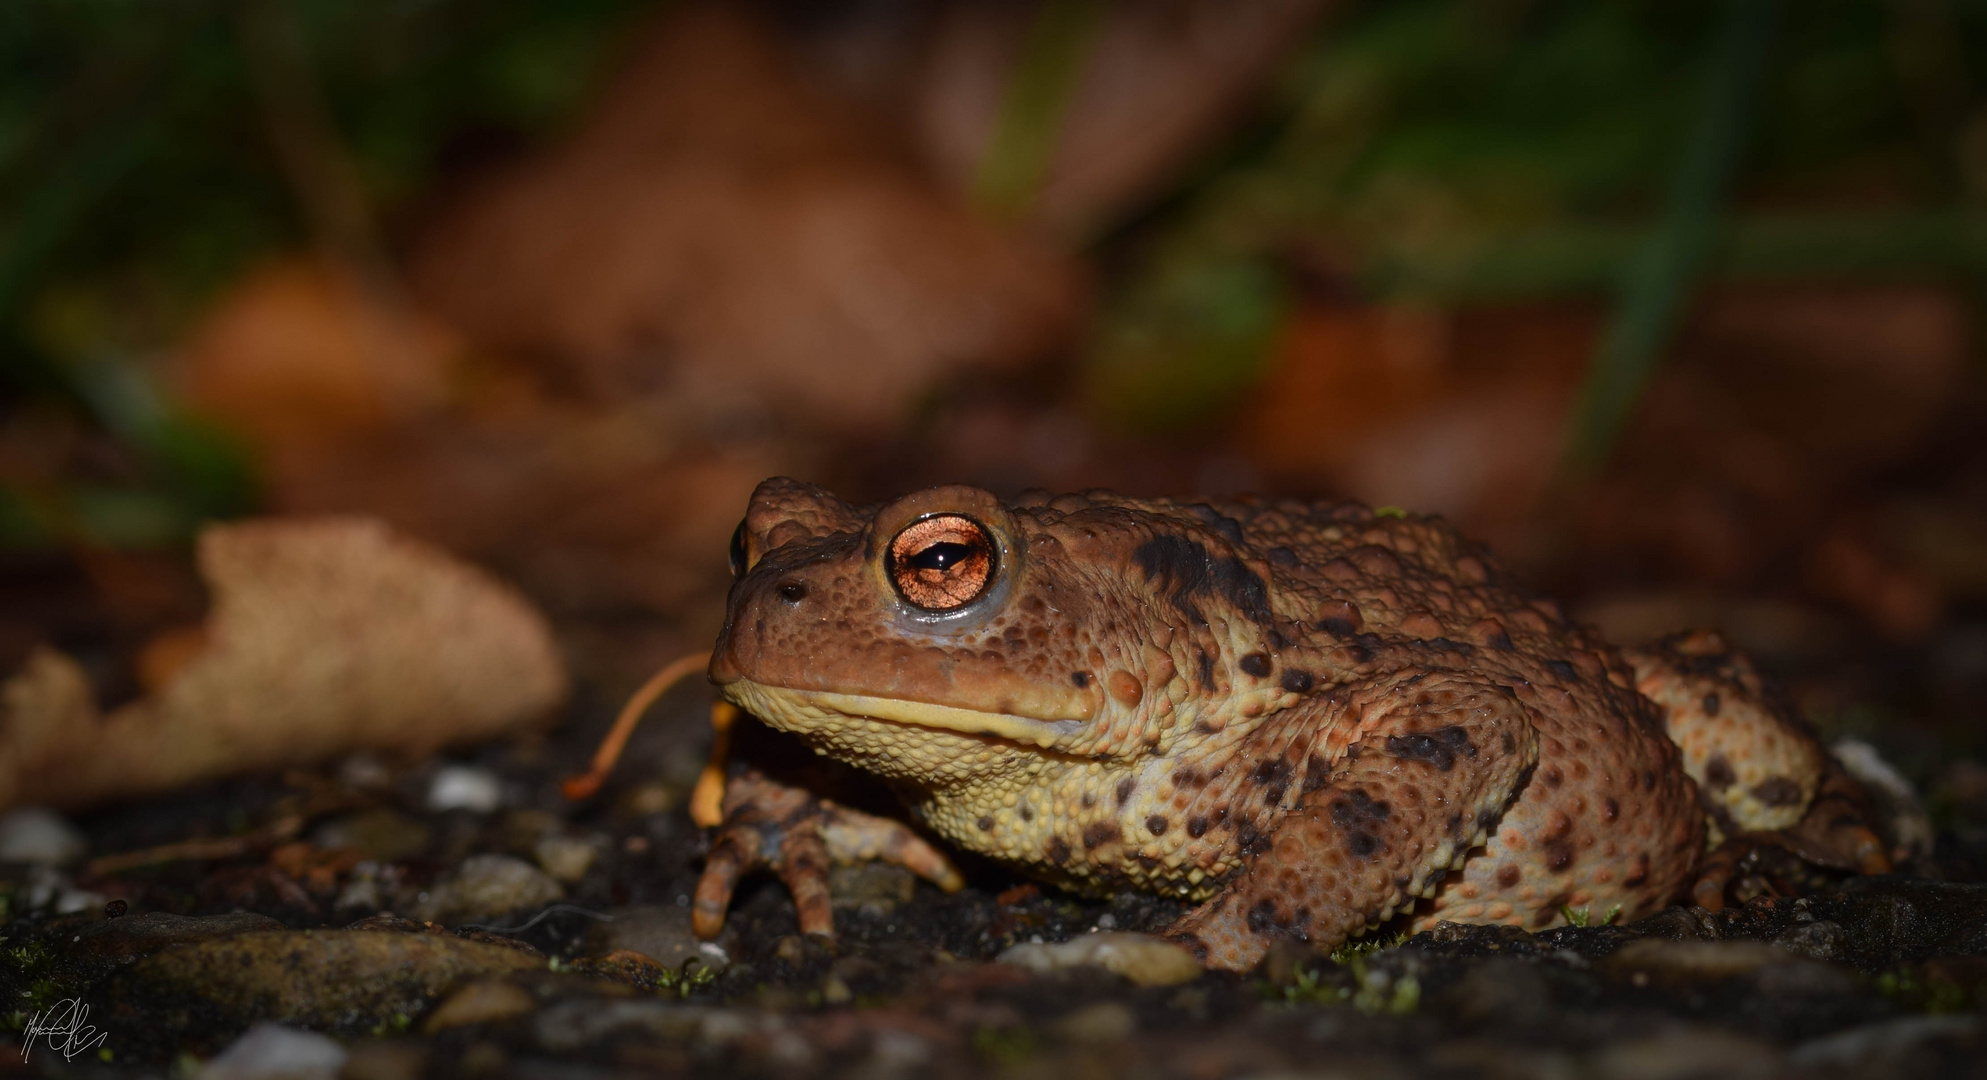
(1673, 302)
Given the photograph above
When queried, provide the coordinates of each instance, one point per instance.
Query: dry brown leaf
(296, 355)
(326, 636)
(1773, 402)
(593, 503)
(720, 227)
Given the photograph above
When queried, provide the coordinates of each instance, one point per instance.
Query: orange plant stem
(585, 784)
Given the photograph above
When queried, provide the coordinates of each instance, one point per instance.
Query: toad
(1305, 717)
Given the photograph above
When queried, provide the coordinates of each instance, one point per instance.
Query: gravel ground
(459, 918)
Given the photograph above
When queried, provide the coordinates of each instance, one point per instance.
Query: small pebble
(662, 932)
(892, 1051)
(464, 787)
(583, 1024)
(36, 834)
(275, 1052)
(1695, 959)
(364, 772)
(1869, 1045)
(1103, 1022)
(875, 888)
(1685, 1052)
(380, 834)
(480, 1002)
(488, 886)
(835, 991)
(564, 857)
(791, 1051)
(362, 892)
(649, 799)
(1142, 958)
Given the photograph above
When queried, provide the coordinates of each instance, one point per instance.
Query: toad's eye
(740, 560)
(942, 562)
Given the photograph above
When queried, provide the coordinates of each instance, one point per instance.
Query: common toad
(1308, 717)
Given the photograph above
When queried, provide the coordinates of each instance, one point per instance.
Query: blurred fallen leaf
(1849, 565)
(1458, 412)
(326, 636)
(590, 504)
(721, 227)
(1776, 402)
(297, 355)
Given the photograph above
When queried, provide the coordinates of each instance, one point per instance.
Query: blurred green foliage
(1450, 151)
(1439, 151)
(135, 153)
(138, 174)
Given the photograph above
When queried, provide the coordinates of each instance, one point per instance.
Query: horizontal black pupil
(941, 556)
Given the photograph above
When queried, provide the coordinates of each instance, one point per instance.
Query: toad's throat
(1022, 729)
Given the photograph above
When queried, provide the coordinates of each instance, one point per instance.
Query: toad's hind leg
(1432, 767)
(1757, 763)
(1763, 776)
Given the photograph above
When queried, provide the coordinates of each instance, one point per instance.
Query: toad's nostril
(793, 592)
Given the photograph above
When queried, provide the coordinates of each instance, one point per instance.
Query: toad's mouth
(793, 708)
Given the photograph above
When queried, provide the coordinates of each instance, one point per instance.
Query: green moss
(1584, 916)
(1359, 948)
(27, 975)
(1312, 987)
(1371, 989)
(1929, 991)
(1395, 996)
(396, 1026)
(693, 975)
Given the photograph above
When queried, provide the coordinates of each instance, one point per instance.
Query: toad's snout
(836, 629)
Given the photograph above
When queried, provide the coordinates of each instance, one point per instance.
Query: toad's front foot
(798, 837)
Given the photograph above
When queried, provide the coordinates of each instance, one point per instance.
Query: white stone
(1910, 824)
(360, 892)
(275, 1052)
(47, 887)
(36, 834)
(464, 787)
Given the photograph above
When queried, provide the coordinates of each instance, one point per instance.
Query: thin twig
(227, 847)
